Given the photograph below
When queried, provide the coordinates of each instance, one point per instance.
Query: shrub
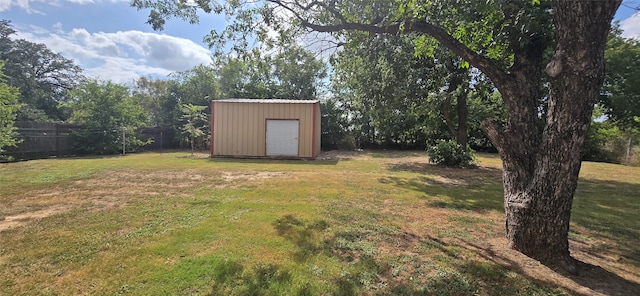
(449, 153)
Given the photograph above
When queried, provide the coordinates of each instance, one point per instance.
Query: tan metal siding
(318, 128)
(239, 127)
(307, 133)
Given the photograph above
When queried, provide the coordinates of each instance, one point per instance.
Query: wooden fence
(45, 139)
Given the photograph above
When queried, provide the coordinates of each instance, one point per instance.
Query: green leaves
(451, 154)
(394, 93)
(407, 9)
(43, 77)
(425, 46)
(291, 72)
(103, 110)
(8, 108)
(622, 92)
(194, 123)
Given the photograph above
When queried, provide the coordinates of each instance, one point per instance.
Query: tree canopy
(8, 108)
(621, 90)
(105, 111)
(43, 77)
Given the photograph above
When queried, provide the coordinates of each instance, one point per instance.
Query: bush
(449, 153)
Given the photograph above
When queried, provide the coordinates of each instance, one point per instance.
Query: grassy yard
(373, 223)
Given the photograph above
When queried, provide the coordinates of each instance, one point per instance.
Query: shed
(265, 128)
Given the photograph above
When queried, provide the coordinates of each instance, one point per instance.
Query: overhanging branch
(487, 66)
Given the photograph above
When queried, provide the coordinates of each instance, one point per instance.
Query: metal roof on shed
(268, 101)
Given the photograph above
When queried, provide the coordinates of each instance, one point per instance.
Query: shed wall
(239, 128)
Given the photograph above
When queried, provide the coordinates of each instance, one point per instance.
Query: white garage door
(282, 137)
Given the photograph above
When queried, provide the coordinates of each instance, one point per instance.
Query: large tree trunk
(462, 107)
(540, 182)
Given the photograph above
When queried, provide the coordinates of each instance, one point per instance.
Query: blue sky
(110, 40)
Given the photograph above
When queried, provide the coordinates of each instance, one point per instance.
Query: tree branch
(484, 64)
(494, 132)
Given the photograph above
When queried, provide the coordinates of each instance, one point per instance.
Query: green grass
(383, 223)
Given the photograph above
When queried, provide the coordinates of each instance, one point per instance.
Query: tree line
(381, 93)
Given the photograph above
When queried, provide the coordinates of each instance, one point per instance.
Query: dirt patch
(115, 189)
(197, 154)
(151, 182)
(343, 155)
(25, 218)
(233, 176)
(593, 279)
(442, 175)
(440, 180)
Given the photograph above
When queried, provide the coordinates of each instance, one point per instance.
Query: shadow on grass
(593, 277)
(416, 266)
(494, 272)
(479, 198)
(604, 281)
(477, 189)
(463, 176)
(273, 161)
(229, 277)
(396, 153)
(411, 264)
(306, 236)
(606, 209)
(609, 209)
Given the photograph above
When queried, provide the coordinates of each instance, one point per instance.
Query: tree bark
(539, 187)
(462, 107)
(458, 127)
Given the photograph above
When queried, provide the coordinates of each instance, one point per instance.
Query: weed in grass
(469, 220)
(449, 282)
(315, 270)
(237, 215)
(488, 272)
(228, 277)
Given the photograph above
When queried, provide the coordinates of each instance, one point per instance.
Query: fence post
(57, 135)
(123, 141)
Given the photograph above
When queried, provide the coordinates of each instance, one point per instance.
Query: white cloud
(631, 26)
(121, 56)
(5, 5)
(25, 4)
(58, 28)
